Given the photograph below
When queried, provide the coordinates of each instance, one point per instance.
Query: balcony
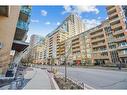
(76, 46)
(97, 34)
(99, 45)
(26, 10)
(61, 50)
(114, 15)
(121, 47)
(110, 7)
(97, 40)
(76, 43)
(118, 32)
(100, 57)
(111, 10)
(113, 20)
(75, 40)
(120, 39)
(100, 51)
(22, 25)
(116, 25)
(121, 54)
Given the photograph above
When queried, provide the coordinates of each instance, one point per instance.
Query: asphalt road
(96, 78)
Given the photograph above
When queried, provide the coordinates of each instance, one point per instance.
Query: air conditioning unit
(1, 45)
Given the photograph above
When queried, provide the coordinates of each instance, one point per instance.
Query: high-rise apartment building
(73, 25)
(16, 20)
(35, 48)
(70, 27)
(35, 39)
(53, 41)
(8, 20)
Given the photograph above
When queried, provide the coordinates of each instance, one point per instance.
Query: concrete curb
(54, 85)
(83, 85)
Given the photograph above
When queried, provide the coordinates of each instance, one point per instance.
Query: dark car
(9, 73)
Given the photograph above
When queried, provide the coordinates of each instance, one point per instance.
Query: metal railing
(16, 62)
(25, 10)
(22, 25)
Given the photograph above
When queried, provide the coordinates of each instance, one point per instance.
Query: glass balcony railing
(22, 25)
(26, 10)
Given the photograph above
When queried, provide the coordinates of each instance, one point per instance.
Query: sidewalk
(37, 79)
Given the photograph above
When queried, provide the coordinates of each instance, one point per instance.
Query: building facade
(118, 23)
(53, 41)
(8, 20)
(99, 42)
(77, 50)
(34, 39)
(70, 27)
(38, 54)
(16, 19)
(73, 25)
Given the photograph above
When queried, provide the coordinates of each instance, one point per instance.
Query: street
(98, 79)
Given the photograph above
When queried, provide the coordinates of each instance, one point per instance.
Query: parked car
(9, 73)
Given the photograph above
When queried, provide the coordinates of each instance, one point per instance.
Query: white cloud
(67, 9)
(43, 12)
(47, 23)
(34, 20)
(58, 23)
(80, 9)
(91, 23)
(88, 9)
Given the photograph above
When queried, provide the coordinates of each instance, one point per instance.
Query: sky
(45, 19)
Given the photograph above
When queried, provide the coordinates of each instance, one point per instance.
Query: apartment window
(112, 46)
(1, 45)
(107, 29)
(4, 11)
(125, 51)
(123, 44)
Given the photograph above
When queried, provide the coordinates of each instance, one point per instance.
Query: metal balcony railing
(118, 32)
(22, 25)
(25, 10)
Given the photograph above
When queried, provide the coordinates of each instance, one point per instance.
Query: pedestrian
(119, 65)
